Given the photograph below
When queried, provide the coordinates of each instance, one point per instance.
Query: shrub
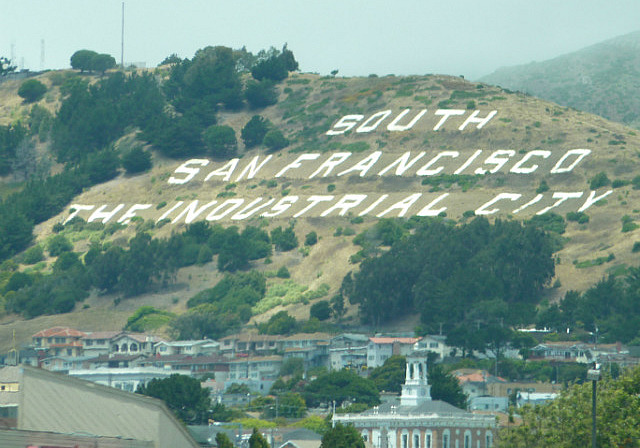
(283, 272)
(59, 244)
(599, 180)
(311, 238)
(33, 255)
(32, 90)
(636, 247)
(320, 310)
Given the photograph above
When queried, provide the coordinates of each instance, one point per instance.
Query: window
(405, 441)
(416, 441)
(134, 347)
(433, 345)
(467, 439)
(445, 439)
(427, 441)
(88, 342)
(489, 440)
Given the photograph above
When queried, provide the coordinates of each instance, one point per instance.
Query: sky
(356, 37)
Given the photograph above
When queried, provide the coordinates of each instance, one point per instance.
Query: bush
(311, 238)
(599, 180)
(636, 247)
(275, 140)
(59, 244)
(32, 90)
(33, 255)
(284, 240)
(137, 160)
(283, 272)
(254, 131)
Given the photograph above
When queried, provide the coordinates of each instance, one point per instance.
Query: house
(58, 341)
(38, 401)
(380, 349)
(563, 351)
(255, 368)
(418, 421)
(476, 382)
(488, 403)
(348, 350)
(296, 438)
(98, 343)
(133, 344)
(248, 344)
(113, 361)
(313, 348)
(63, 363)
(205, 347)
(435, 344)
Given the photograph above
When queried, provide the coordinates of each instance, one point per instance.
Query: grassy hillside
(350, 179)
(603, 79)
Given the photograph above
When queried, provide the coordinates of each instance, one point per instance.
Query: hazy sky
(464, 37)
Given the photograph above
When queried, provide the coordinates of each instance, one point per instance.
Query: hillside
(362, 149)
(603, 79)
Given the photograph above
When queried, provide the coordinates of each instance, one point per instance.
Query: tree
(136, 160)
(222, 440)
(261, 93)
(59, 244)
(279, 323)
(221, 141)
(320, 310)
(445, 387)
(32, 90)
(340, 386)
(342, 436)
(183, 395)
(390, 376)
(276, 66)
(284, 240)
(311, 238)
(102, 62)
(82, 60)
(566, 421)
(254, 131)
(257, 440)
(275, 140)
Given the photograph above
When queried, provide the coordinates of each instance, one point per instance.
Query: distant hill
(603, 79)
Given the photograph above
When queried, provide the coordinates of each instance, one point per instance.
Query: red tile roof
(59, 331)
(386, 340)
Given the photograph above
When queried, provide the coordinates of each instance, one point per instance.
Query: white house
(204, 347)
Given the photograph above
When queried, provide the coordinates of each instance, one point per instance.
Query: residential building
(98, 343)
(418, 421)
(58, 341)
(204, 347)
(435, 344)
(348, 350)
(255, 368)
(133, 344)
(476, 382)
(127, 378)
(380, 349)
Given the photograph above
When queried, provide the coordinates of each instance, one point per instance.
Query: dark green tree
(284, 240)
(320, 310)
(59, 244)
(102, 62)
(257, 440)
(136, 160)
(342, 436)
(279, 323)
(183, 395)
(445, 386)
(32, 90)
(221, 141)
(276, 66)
(275, 140)
(81, 60)
(254, 131)
(340, 386)
(222, 440)
(390, 376)
(261, 93)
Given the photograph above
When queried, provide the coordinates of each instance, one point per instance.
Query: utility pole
(122, 41)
